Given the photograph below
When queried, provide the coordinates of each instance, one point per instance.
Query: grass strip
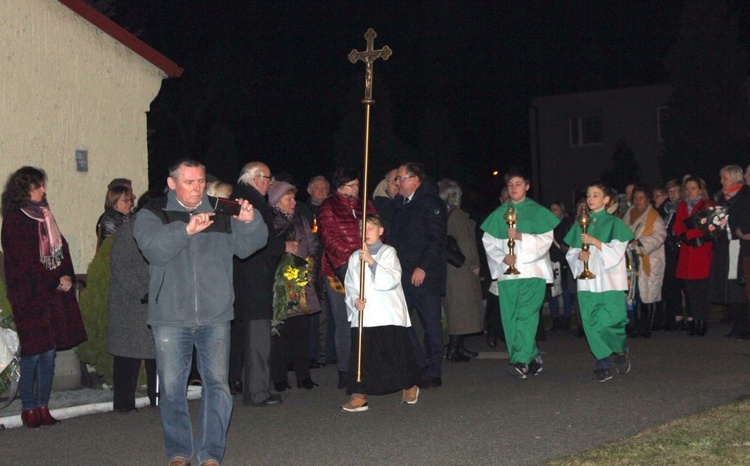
(720, 436)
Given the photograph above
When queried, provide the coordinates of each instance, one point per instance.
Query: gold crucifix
(369, 56)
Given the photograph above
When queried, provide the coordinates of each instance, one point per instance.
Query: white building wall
(66, 85)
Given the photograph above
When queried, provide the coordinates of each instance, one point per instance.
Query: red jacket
(338, 219)
(694, 262)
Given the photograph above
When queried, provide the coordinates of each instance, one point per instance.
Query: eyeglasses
(403, 178)
(352, 185)
(270, 178)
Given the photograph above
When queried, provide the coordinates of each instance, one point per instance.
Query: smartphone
(224, 206)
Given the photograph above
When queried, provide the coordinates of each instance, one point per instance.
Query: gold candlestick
(584, 219)
(510, 219)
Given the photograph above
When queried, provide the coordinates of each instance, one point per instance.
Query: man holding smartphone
(189, 249)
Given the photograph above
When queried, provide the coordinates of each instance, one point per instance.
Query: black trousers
(125, 379)
(237, 348)
(293, 345)
(492, 316)
(671, 291)
(696, 292)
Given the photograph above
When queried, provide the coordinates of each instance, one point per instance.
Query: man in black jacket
(253, 298)
(419, 227)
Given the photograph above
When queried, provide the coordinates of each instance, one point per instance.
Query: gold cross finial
(369, 56)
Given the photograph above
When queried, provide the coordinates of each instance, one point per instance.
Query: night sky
(275, 74)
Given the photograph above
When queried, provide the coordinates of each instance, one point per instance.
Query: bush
(94, 300)
(5, 311)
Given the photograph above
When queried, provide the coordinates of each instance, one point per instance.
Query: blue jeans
(554, 305)
(174, 351)
(35, 384)
(343, 335)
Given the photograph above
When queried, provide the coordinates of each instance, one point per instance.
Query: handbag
(456, 258)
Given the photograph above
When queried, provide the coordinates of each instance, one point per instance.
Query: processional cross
(368, 56)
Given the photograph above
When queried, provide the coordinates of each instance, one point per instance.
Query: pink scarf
(50, 239)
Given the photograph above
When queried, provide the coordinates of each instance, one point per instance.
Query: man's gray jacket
(191, 276)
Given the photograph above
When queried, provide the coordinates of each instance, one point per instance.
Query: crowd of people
(238, 298)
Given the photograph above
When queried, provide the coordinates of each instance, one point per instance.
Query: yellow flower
(291, 273)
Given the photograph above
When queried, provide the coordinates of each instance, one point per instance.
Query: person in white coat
(388, 361)
(647, 249)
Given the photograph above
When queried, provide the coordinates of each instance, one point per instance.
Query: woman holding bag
(463, 295)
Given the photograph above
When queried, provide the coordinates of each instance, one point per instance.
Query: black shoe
(281, 386)
(431, 382)
(536, 366)
(468, 353)
(602, 375)
(491, 341)
(454, 354)
(307, 384)
(518, 370)
(126, 410)
(272, 400)
(235, 386)
(621, 362)
(316, 365)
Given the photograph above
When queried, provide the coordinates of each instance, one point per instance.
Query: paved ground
(479, 416)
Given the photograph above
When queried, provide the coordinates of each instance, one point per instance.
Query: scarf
(531, 218)
(731, 191)
(604, 226)
(286, 215)
(648, 229)
(50, 239)
(692, 202)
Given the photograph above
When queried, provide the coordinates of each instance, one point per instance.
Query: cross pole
(368, 56)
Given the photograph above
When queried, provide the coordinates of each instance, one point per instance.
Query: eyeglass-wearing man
(189, 249)
(419, 228)
(253, 303)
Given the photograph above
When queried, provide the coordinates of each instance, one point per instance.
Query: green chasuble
(604, 227)
(531, 218)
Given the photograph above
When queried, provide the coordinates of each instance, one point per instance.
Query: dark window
(586, 129)
(662, 123)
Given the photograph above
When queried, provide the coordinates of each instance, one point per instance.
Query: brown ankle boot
(45, 418)
(30, 419)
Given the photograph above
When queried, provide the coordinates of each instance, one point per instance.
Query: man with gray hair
(253, 303)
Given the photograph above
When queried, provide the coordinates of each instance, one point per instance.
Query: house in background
(573, 137)
(76, 90)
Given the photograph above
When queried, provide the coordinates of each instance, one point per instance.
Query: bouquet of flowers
(292, 277)
(712, 221)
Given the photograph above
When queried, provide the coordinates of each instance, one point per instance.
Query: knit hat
(277, 190)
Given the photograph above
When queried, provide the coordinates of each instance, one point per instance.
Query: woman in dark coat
(118, 207)
(291, 342)
(735, 197)
(40, 278)
(462, 302)
(129, 338)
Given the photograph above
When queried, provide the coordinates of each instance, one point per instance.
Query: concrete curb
(11, 422)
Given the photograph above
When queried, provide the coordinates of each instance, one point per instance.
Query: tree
(624, 168)
(709, 112)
